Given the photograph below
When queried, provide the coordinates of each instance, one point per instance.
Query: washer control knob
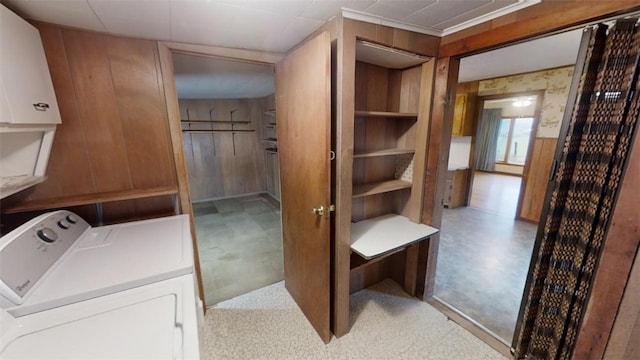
(72, 219)
(63, 224)
(47, 235)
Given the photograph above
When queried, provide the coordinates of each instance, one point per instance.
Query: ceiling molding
(380, 20)
(521, 4)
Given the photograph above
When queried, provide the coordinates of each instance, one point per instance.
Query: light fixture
(522, 103)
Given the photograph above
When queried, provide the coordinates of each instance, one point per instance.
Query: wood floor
(495, 193)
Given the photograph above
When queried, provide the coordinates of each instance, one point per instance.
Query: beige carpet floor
(386, 324)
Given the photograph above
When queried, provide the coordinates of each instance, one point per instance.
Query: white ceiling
(273, 25)
(278, 25)
(545, 53)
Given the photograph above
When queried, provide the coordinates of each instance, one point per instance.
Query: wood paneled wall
(538, 179)
(223, 162)
(114, 135)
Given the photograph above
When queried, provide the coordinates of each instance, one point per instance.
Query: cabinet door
(24, 74)
(303, 104)
(459, 114)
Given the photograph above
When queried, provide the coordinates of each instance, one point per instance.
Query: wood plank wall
(223, 163)
(114, 134)
(536, 188)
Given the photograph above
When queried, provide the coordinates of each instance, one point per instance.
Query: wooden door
(303, 108)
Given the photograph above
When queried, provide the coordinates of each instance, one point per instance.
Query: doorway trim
(165, 61)
(528, 24)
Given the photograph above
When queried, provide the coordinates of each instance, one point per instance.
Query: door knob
(320, 210)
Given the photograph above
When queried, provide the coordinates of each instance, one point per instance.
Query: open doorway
(506, 128)
(227, 111)
(495, 199)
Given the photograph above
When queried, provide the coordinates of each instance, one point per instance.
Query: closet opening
(228, 121)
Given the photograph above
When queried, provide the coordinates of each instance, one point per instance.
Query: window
(513, 140)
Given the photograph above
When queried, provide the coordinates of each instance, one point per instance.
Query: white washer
(124, 291)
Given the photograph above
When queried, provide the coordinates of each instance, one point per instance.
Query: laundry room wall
(114, 146)
(224, 148)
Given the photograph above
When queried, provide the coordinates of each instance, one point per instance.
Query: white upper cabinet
(26, 90)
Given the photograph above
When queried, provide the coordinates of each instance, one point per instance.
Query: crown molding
(381, 20)
(521, 4)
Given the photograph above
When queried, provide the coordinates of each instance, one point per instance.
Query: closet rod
(208, 131)
(216, 121)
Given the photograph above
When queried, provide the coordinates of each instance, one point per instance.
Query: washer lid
(114, 258)
(144, 330)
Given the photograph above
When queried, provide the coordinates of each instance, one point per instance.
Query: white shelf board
(384, 56)
(385, 234)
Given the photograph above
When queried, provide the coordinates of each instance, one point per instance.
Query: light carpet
(386, 324)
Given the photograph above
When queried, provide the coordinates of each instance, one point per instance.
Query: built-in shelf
(270, 112)
(88, 199)
(379, 187)
(386, 114)
(387, 152)
(386, 234)
(270, 139)
(215, 121)
(271, 150)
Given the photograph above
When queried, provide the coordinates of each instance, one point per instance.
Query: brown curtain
(603, 122)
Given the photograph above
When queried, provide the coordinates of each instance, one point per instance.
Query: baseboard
(477, 330)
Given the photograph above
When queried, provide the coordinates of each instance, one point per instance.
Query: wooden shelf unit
(270, 146)
(389, 137)
(385, 128)
(379, 187)
(387, 152)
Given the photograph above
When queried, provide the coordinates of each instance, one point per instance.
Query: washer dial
(47, 235)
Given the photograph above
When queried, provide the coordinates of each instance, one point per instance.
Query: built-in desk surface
(386, 234)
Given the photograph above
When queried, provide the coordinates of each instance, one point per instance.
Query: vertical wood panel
(538, 179)
(98, 109)
(422, 139)
(416, 42)
(141, 111)
(623, 343)
(445, 82)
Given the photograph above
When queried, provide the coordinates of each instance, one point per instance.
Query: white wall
(459, 152)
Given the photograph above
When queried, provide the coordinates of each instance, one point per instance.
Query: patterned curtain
(488, 139)
(594, 153)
